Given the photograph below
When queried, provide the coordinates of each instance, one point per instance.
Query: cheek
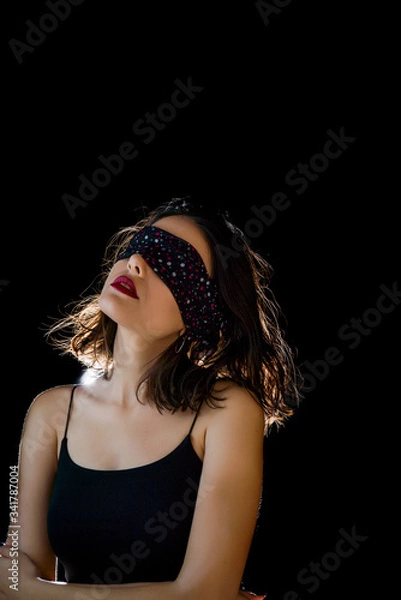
(164, 308)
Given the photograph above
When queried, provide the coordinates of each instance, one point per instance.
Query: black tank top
(123, 526)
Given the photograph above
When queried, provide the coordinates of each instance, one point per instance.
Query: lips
(125, 285)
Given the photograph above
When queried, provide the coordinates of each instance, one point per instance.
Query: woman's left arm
(228, 498)
(223, 525)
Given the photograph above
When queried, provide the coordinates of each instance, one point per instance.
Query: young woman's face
(137, 299)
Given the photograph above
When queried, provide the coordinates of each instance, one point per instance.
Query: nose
(137, 265)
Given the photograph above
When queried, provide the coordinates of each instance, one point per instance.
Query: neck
(132, 357)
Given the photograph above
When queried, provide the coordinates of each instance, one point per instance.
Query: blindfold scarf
(181, 268)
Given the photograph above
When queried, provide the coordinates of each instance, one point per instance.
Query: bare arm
(37, 468)
(228, 500)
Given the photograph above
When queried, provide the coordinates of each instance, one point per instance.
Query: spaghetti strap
(69, 410)
(196, 416)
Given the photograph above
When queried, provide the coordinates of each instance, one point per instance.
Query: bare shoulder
(234, 440)
(238, 409)
(49, 406)
(43, 427)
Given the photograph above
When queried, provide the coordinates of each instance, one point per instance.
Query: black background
(270, 94)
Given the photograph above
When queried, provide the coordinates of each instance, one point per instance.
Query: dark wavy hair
(252, 351)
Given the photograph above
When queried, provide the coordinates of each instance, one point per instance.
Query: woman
(155, 491)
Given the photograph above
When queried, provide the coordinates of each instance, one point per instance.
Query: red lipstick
(125, 285)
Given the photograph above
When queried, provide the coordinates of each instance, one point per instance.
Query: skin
(108, 427)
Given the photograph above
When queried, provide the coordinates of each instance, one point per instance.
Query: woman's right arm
(37, 463)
